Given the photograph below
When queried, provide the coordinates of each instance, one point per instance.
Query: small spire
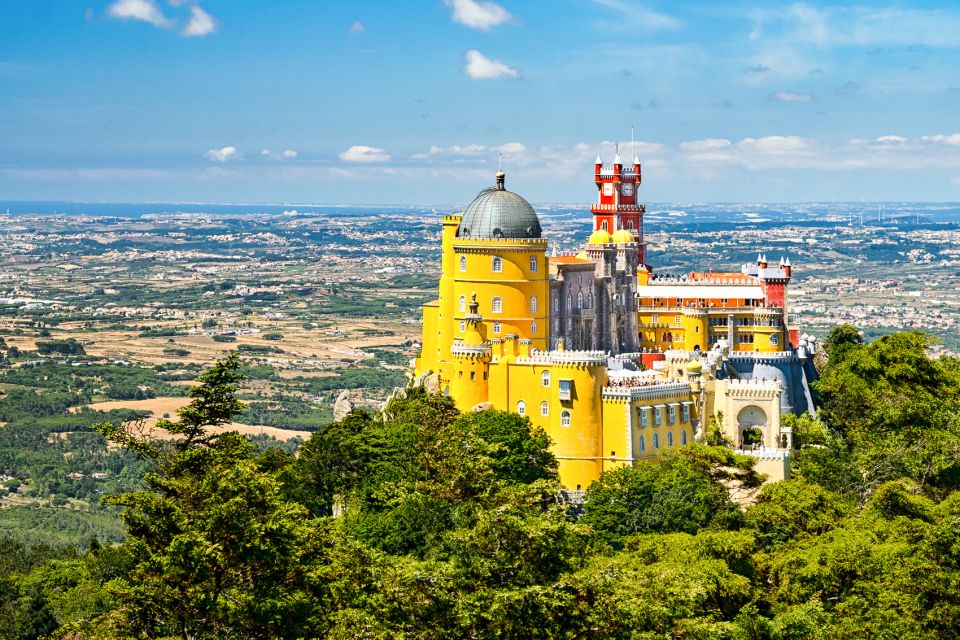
(616, 158)
(598, 160)
(501, 176)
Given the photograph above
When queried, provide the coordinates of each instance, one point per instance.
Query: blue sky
(412, 102)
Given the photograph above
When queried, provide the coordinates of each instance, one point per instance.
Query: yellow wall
(515, 285)
(685, 336)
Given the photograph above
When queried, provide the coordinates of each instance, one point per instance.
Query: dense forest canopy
(421, 522)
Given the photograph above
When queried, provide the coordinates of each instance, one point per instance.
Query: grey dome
(498, 213)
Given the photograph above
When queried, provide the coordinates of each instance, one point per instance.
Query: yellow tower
(471, 363)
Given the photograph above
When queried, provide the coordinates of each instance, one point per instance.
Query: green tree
(216, 551)
(685, 491)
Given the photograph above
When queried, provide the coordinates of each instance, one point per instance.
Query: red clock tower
(617, 206)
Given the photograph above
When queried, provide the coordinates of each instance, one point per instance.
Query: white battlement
(646, 390)
(565, 357)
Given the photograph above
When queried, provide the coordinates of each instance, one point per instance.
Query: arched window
(656, 441)
(533, 327)
(463, 303)
(564, 418)
(463, 263)
(630, 225)
(533, 304)
(556, 302)
(589, 301)
(533, 264)
(496, 306)
(545, 379)
(544, 408)
(579, 299)
(569, 302)
(497, 264)
(463, 326)
(669, 438)
(605, 226)
(522, 408)
(683, 436)
(643, 443)
(496, 328)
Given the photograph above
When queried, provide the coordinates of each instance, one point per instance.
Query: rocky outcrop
(342, 406)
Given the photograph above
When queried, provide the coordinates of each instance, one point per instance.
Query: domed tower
(500, 256)
(493, 256)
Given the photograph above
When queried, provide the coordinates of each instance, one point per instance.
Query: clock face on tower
(627, 189)
(607, 188)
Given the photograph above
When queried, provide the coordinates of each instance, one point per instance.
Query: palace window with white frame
(671, 415)
(533, 304)
(496, 305)
(463, 304)
(685, 412)
(533, 264)
(496, 328)
(644, 418)
(463, 326)
(657, 416)
(566, 389)
(579, 299)
(463, 263)
(545, 379)
(522, 408)
(497, 264)
(533, 327)
(564, 418)
(544, 408)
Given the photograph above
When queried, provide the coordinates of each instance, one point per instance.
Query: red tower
(617, 206)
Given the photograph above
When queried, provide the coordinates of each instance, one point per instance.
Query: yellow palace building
(614, 362)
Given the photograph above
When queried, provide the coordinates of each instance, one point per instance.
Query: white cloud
(708, 144)
(226, 154)
(287, 154)
(478, 14)
(201, 23)
(790, 96)
(635, 16)
(946, 139)
(480, 67)
(363, 153)
(471, 150)
(863, 25)
(143, 10)
(356, 28)
(793, 152)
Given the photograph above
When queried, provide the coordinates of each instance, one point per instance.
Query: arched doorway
(752, 421)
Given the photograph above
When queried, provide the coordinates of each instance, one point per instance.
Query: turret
(597, 166)
(617, 164)
(787, 268)
(636, 167)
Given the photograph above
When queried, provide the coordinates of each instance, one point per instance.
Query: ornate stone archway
(752, 421)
